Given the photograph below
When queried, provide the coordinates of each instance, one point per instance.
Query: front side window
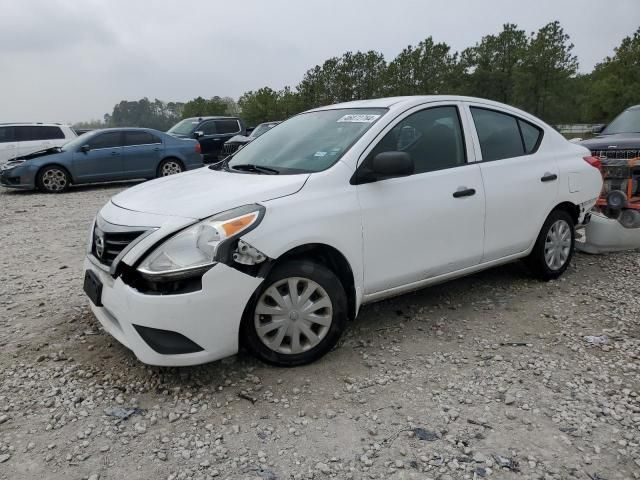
(105, 140)
(627, 122)
(139, 138)
(185, 127)
(227, 126)
(208, 128)
(432, 137)
(6, 135)
(309, 142)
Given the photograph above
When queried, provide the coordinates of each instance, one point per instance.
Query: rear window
(139, 138)
(6, 134)
(530, 135)
(227, 126)
(29, 133)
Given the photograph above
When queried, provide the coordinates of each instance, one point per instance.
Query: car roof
(407, 101)
(220, 117)
(39, 124)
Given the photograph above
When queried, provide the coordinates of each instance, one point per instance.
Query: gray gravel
(492, 376)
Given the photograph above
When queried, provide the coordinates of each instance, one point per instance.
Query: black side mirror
(198, 134)
(597, 129)
(384, 165)
(85, 148)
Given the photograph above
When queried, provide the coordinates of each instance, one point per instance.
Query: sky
(69, 60)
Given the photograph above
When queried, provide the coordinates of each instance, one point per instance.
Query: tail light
(595, 162)
(198, 148)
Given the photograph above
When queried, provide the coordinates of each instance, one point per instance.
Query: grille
(229, 148)
(106, 246)
(616, 154)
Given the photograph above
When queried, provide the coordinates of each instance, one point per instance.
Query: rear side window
(139, 138)
(30, 133)
(106, 140)
(433, 138)
(227, 126)
(6, 135)
(504, 136)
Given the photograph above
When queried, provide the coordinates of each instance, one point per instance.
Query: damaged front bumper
(603, 234)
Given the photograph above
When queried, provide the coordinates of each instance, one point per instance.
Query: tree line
(536, 72)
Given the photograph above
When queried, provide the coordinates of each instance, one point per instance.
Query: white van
(19, 139)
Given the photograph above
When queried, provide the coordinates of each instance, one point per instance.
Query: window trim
(517, 118)
(354, 180)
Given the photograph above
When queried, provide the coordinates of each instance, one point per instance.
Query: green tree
(202, 107)
(615, 83)
(544, 79)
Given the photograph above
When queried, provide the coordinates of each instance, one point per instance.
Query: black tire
(53, 179)
(169, 166)
(302, 271)
(537, 261)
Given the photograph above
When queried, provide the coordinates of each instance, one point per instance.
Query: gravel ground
(488, 376)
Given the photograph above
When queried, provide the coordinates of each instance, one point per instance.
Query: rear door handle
(157, 149)
(549, 177)
(464, 192)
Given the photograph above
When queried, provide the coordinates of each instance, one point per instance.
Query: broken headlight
(198, 247)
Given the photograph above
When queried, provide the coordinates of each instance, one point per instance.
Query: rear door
(33, 138)
(102, 162)
(8, 144)
(141, 153)
(521, 182)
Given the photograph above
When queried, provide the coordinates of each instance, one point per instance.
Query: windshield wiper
(250, 167)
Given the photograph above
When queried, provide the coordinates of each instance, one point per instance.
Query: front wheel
(554, 247)
(53, 179)
(169, 166)
(296, 316)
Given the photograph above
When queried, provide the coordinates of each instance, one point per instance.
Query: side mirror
(85, 148)
(597, 129)
(384, 165)
(198, 134)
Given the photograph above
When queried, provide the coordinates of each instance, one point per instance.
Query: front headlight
(199, 246)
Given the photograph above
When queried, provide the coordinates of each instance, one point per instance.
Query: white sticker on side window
(361, 118)
(319, 154)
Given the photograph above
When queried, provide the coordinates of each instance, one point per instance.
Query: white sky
(68, 60)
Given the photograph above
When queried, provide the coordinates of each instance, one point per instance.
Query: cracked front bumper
(603, 235)
(209, 317)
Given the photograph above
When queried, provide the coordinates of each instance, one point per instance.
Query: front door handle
(464, 192)
(549, 177)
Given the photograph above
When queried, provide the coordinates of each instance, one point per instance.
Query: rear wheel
(169, 166)
(296, 316)
(554, 247)
(53, 179)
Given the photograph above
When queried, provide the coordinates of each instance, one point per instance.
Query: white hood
(204, 192)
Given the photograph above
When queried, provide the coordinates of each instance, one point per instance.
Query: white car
(20, 139)
(335, 208)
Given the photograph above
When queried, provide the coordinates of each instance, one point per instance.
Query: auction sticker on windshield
(361, 118)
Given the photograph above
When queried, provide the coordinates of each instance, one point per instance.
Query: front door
(102, 162)
(429, 223)
(521, 183)
(8, 144)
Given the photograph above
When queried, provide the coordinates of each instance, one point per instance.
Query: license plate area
(93, 288)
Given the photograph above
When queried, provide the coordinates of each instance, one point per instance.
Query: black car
(620, 139)
(234, 144)
(211, 132)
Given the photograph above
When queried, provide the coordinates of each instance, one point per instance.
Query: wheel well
(171, 158)
(571, 209)
(52, 165)
(333, 260)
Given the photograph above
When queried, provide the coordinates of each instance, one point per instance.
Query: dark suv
(211, 132)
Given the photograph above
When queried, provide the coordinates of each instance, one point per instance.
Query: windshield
(185, 127)
(77, 142)
(309, 142)
(627, 122)
(262, 128)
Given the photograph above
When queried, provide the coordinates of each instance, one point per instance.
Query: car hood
(239, 139)
(204, 192)
(618, 141)
(48, 152)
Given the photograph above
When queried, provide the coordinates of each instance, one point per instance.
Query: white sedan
(332, 209)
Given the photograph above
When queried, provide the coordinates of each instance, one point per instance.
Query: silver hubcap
(293, 315)
(54, 180)
(557, 245)
(170, 168)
